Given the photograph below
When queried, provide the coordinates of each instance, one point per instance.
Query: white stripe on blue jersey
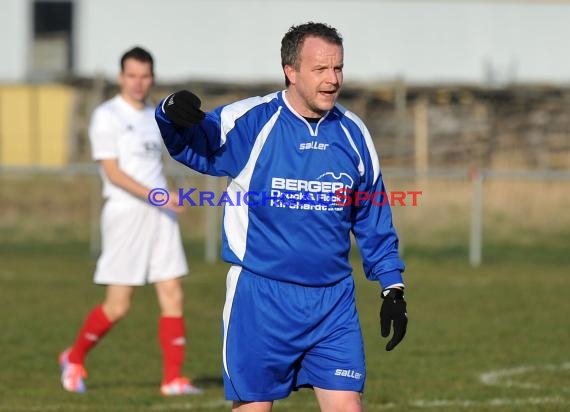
(236, 219)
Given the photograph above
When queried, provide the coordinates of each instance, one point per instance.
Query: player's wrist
(392, 293)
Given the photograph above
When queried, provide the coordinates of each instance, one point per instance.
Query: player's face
(315, 84)
(136, 80)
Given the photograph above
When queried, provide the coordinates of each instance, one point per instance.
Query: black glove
(183, 108)
(393, 309)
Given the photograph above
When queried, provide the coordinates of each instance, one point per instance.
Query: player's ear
(291, 73)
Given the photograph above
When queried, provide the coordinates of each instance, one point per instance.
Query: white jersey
(120, 131)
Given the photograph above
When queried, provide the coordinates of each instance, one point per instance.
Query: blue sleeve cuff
(390, 279)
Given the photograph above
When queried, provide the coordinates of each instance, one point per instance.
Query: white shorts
(141, 244)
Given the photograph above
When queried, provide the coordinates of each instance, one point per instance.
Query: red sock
(95, 327)
(172, 339)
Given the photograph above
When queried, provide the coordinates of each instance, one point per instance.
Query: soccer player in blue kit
(290, 318)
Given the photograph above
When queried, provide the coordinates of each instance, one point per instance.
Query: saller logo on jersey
(313, 145)
(348, 373)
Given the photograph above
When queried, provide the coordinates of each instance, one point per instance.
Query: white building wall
(14, 40)
(421, 41)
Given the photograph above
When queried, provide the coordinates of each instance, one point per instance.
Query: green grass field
(495, 338)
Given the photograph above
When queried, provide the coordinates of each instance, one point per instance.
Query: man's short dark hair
(293, 40)
(139, 54)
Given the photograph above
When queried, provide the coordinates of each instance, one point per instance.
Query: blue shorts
(280, 336)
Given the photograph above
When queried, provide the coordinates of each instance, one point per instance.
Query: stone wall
(514, 128)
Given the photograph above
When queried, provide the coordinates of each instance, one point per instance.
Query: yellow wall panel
(54, 118)
(35, 125)
(16, 125)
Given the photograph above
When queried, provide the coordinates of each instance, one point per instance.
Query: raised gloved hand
(183, 108)
(393, 309)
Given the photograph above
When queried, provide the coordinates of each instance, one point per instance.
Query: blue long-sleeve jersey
(288, 216)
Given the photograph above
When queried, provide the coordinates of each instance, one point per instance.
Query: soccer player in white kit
(141, 243)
